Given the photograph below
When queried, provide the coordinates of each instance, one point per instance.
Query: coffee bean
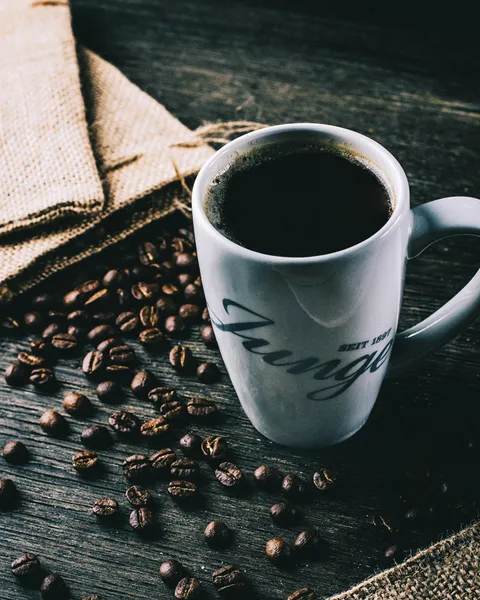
(392, 552)
(16, 375)
(215, 447)
(162, 395)
(302, 594)
(77, 404)
(141, 519)
(191, 444)
(128, 323)
(109, 391)
(166, 306)
(8, 493)
(278, 551)
(190, 312)
(53, 587)
(64, 343)
(93, 364)
(206, 315)
(148, 253)
(310, 545)
(79, 333)
(187, 589)
(268, 478)
(100, 333)
(187, 233)
(113, 279)
(50, 331)
(170, 290)
(201, 408)
(162, 460)
(174, 325)
(105, 508)
(39, 346)
(138, 496)
(106, 345)
(85, 460)
(31, 361)
(42, 378)
(150, 316)
(285, 514)
(193, 293)
(121, 373)
(173, 412)
(171, 571)
(15, 452)
(26, 566)
(88, 287)
(81, 318)
(208, 336)
(122, 355)
(145, 292)
(136, 467)
(142, 384)
(183, 279)
(229, 475)
(181, 359)
(184, 468)
(54, 423)
(226, 577)
(122, 298)
(182, 490)
(98, 300)
(217, 534)
(180, 244)
(33, 321)
(43, 302)
(186, 262)
(96, 436)
(124, 423)
(208, 372)
(294, 487)
(151, 337)
(325, 480)
(154, 429)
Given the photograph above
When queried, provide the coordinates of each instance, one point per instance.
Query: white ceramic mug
(307, 341)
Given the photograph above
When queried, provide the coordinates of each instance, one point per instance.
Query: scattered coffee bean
(187, 233)
(183, 279)
(182, 490)
(138, 496)
(201, 408)
(128, 323)
(15, 452)
(278, 551)
(33, 321)
(208, 336)
(310, 545)
(39, 346)
(9, 323)
(191, 444)
(53, 587)
(285, 514)
(268, 478)
(151, 337)
(162, 460)
(162, 395)
(93, 364)
(106, 345)
(215, 447)
(77, 404)
(42, 378)
(121, 373)
(154, 429)
(170, 290)
(141, 519)
(113, 279)
(80, 318)
(185, 468)
(26, 566)
(85, 460)
(186, 262)
(174, 325)
(98, 300)
(171, 572)
(79, 333)
(51, 330)
(54, 423)
(226, 577)
(148, 253)
(96, 436)
(64, 343)
(208, 372)
(302, 594)
(43, 302)
(325, 480)
(31, 361)
(105, 508)
(294, 487)
(190, 312)
(100, 333)
(142, 384)
(217, 534)
(166, 306)
(229, 475)
(16, 375)
(122, 355)
(187, 589)
(193, 293)
(206, 315)
(174, 411)
(136, 467)
(150, 316)
(8, 493)
(180, 244)
(109, 391)
(124, 423)
(181, 359)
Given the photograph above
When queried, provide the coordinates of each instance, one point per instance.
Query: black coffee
(297, 201)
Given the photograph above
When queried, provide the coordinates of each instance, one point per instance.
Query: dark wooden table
(414, 86)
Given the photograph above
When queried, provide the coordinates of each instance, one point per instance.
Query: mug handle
(431, 222)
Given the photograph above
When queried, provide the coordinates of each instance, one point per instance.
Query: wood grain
(415, 91)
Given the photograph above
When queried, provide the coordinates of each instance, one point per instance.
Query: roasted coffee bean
(31, 361)
(166, 306)
(77, 404)
(145, 292)
(193, 293)
(39, 346)
(392, 552)
(294, 487)
(190, 312)
(186, 262)
(151, 316)
(113, 279)
(98, 300)
(325, 480)
(181, 359)
(183, 279)
(206, 315)
(217, 534)
(154, 429)
(106, 317)
(310, 545)
(85, 460)
(50, 331)
(152, 337)
(53, 587)
(162, 460)
(96, 436)
(8, 493)
(106, 345)
(26, 566)
(198, 281)
(64, 343)
(278, 551)
(187, 589)
(170, 290)
(122, 355)
(15, 452)
(128, 323)
(201, 408)
(73, 299)
(285, 514)
(229, 475)
(100, 333)
(227, 576)
(93, 364)
(9, 323)
(208, 336)
(148, 253)
(191, 444)
(124, 423)
(162, 395)
(208, 372)
(182, 490)
(302, 594)
(33, 321)
(42, 378)
(215, 447)
(173, 412)
(122, 298)
(141, 519)
(268, 478)
(43, 302)
(54, 423)
(80, 333)
(105, 507)
(171, 571)
(88, 287)
(174, 325)
(142, 384)
(136, 467)
(138, 496)
(120, 373)
(185, 468)
(109, 391)
(180, 244)
(16, 374)
(81, 318)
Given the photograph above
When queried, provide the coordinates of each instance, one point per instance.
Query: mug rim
(396, 177)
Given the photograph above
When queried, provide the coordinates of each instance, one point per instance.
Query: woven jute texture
(448, 570)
